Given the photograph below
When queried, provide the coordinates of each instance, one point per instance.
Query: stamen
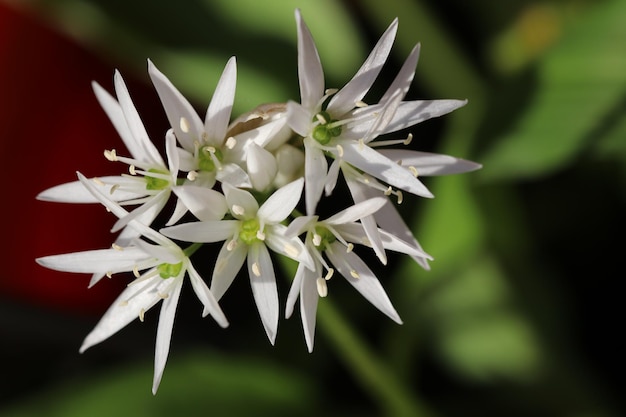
(97, 181)
(360, 103)
(408, 139)
(400, 197)
(349, 248)
(192, 175)
(136, 271)
(354, 274)
(231, 142)
(329, 274)
(142, 313)
(260, 235)
(184, 125)
(413, 171)
(340, 151)
(330, 91)
(114, 188)
(109, 274)
(231, 245)
(110, 155)
(238, 210)
(317, 239)
(388, 191)
(322, 288)
(320, 118)
(123, 303)
(256, 270)
(132, 170)
(117, 247)
(164, 296)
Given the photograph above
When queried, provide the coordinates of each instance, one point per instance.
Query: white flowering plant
(255, 183)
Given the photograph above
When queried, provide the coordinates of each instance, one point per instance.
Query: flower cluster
(254, 184)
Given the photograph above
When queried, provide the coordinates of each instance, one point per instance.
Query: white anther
(232, 244)
(184, 125)
(192, 175)
(321, 119)
(365, 241)
(132, 170)
(109, 274)
(210, 149)
(123, 303)
(231, 142)
(329, 274)
(322, 288)
(408, 139)
(117, 247)
(97, 181)
(114, 187)
(349, 248)
(164, 296)
(413, 171)
(354, 274)
(136, 271)
(142, 313)
(388, 191)
(110, 155)
(400, 197)
(317, 239)
(260, 235)
(256, 270)
(340, 151)
(329, 91)
(361, 144)
(238, 210)
(360, 103)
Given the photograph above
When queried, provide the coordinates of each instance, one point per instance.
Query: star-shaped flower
(252, 230)
(164, 265)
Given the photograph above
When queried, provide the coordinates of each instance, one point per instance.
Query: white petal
(299, 118)
(357, 211)
(75, 191)
(308, 307)
(310, 73)
(290, 247)
(202, 232)
(410, 113)
(112, 108)
(229, 262)
(403, 80)
(234, 175)
(126, 308)
(280, 204)
(179, 111)
(143, 148)
(164, 254)
(264, 290)
(294, 290)
(94, 261)
(366, 283)
(359, 85)
(164, 332)
(206, 297)
(204, 203)
(241, 203)
(147, 211)
(218, 113)
(173, 155)
(299, 225)
(379, 166)
(261, 167)
(315, 169)
(428, 164)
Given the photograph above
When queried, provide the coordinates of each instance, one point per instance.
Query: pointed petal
(309, 298)
(143, 146)
(94, 261)
(164, 254)
(227, 266)
(75, 192)
(310, 72)
(218, 113)
(183, 118)
(379, 166)
(315, 169)
(348, 263)
(206, 297)
(262, 167)
(280, 204)
(113, 110)
(410, 113)
(264, 290)
(299, 225)
(127, 307)
(290, 247)
(234, 175)
(428, 164)
(202, 232)
(357, 211)
(359, 85)
(164, 332)
(204, 203)
(147, 211)
(294, 291)
(403, 80)
(299, 118)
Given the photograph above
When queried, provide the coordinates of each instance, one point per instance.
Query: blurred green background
(520, 314)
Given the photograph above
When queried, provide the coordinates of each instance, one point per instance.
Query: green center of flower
(323, 237)
(169, 270)
(155, 183)
(209, 158)
(249, 231)
(325, 130)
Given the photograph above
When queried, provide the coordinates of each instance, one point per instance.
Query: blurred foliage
(546, 83)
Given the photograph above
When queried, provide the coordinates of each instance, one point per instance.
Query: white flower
(248, 235)
(164, 264)
(209, 152)
(334, 238)
(340, 124)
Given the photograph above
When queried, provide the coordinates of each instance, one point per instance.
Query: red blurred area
(52, 126)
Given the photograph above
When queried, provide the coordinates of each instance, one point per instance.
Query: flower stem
(375, 377)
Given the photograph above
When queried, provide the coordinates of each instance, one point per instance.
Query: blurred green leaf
(580, 82)
(204, 383)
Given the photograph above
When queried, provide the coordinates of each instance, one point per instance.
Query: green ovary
(154, 183)
(249, 230)
(205, 158)
(324, 131)
(169, 270)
